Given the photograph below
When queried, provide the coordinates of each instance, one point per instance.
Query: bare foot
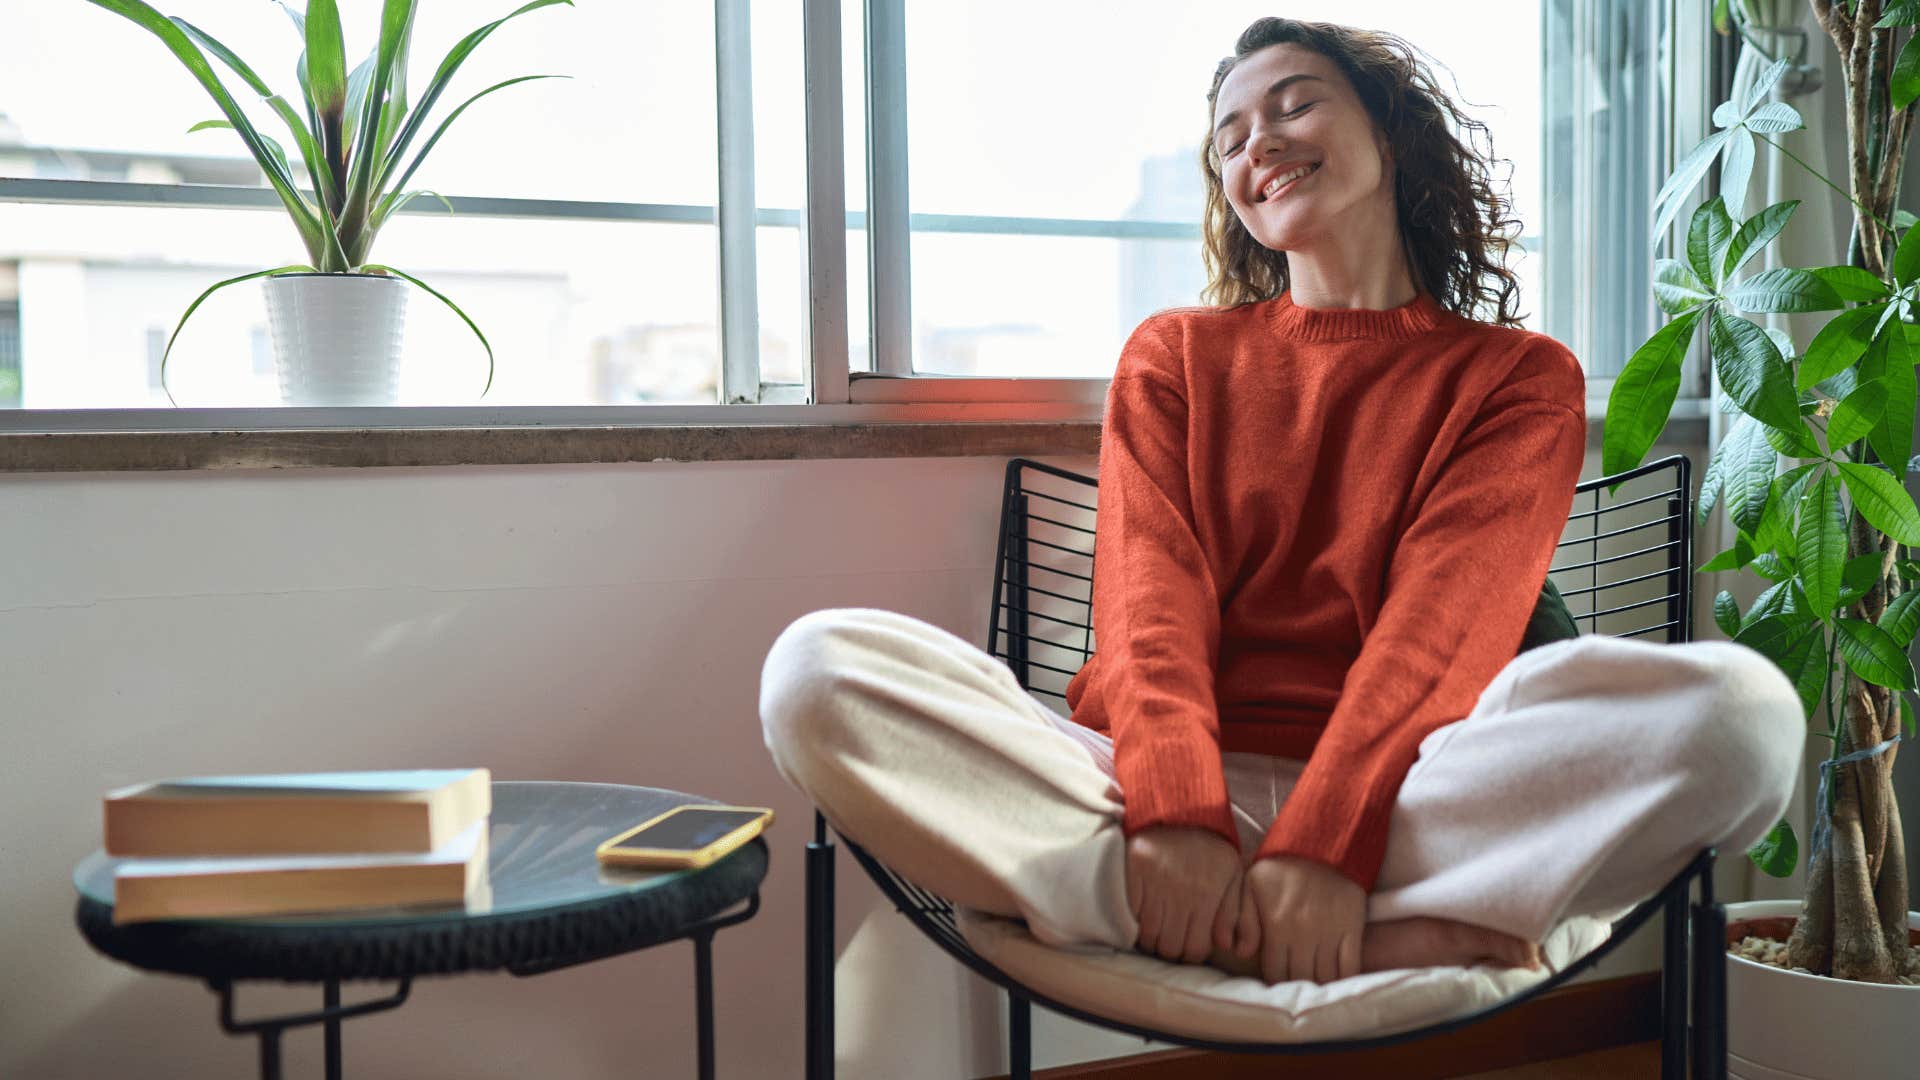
(1430, 942)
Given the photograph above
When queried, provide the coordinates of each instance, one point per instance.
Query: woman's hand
(1183, 885)
(1303, 918)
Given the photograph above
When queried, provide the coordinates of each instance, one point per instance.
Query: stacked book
(225, 846)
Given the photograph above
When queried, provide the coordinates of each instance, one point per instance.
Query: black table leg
(333, 1029)
(703, 993)
(270, 1054)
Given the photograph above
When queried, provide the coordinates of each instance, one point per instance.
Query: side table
(552, 906)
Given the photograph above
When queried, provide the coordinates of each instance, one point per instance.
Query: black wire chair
(1624, 568)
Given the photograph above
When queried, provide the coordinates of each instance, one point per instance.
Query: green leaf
(305, 217)
(1685, 175)
(1775, 117)
(1707, 237)
(1736, 170)
(1726, 613)
(1838, 345)
(1908, 570)
(1770, 565)
(1752, 371)
(1777, 852)
(1822, 543)
(303, 139)
(1750, 468)
(1902, 617)
(1675, 286)
(1906, 718)
(1882, 501)
(1906, 258)
(368, 161)
(1754, 235)
(279, 153)
(326, 62)
(1806, 665)
(1852, 283)
(1861, 575)
(1904, 85)
(1776, 531)
(438, 85)
(201, 299)
(1890, 360)
(1764, 83)
(1785, 288)
(1735, 557)
(1899, 13)
(1856, 414)
(1643, 395)
(1904, 219)
(437, 295)
(1768, 634)
(393, 201)
(1873, 654)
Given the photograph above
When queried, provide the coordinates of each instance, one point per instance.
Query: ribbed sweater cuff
(1174, 781)
(1340, 818)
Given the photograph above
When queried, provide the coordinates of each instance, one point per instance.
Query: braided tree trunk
(1853, 923)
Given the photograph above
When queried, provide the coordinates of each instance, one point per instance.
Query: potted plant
(1832, 535)
(337, 318)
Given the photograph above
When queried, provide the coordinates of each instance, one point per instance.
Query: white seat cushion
(1206, 1003)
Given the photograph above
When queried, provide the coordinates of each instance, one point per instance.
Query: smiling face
(1300, 158)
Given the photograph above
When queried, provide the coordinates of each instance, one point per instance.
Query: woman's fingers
(1173, 934)
(1151, 911)
(1227, 917)
(1326, 962)
(1350, 954)
(1246, 941)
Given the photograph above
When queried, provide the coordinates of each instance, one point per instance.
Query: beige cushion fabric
(1203, 1002)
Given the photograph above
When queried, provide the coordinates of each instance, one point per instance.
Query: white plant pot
(1782, 1025)
(336, 337)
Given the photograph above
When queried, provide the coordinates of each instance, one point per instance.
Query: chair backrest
(1623, 564)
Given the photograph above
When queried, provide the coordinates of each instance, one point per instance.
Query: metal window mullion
(889, 224)
(739, 275)
(826, 220)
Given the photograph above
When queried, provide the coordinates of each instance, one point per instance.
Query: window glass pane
(1097, 111)
(575, 318)
(633, 122)
(580, 312)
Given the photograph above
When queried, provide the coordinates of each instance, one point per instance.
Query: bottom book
(215, 888)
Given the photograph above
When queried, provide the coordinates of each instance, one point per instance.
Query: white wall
(583, 623)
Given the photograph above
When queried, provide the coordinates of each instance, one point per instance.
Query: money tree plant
(1811, 473)
(357, 136)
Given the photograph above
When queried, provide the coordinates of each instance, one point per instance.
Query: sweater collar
(1410, 319)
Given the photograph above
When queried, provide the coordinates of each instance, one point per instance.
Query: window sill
(118, 442)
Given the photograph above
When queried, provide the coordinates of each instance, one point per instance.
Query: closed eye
(1229, 151)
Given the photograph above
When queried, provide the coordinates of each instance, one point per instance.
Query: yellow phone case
(610, 852)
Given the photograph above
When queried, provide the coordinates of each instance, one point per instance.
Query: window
(639, 233)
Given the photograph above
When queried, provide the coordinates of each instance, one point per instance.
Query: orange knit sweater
(1321, 532)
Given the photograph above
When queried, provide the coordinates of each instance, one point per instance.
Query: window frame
(890, 392)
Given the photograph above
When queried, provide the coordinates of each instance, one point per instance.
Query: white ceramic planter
(336, 337)
(1782, 1025)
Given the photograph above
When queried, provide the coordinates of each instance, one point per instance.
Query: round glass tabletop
(541, 856)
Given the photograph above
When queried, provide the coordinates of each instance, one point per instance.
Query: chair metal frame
(1694, 931)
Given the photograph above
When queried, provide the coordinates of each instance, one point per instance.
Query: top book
(409, 810)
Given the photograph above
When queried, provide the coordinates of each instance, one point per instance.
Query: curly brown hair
(1455, 226)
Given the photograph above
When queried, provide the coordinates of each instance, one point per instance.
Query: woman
(1305, 747)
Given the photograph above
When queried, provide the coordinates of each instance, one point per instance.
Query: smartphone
(685, 837)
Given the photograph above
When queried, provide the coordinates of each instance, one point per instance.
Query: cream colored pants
(1588, 774)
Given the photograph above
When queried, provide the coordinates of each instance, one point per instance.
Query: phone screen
(689, 830)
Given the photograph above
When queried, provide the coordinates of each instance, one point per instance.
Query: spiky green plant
(354, 139)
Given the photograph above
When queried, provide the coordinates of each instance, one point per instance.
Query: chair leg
(819, 972)
(1019, 1037)
(1673, 985)
(1709, 983)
